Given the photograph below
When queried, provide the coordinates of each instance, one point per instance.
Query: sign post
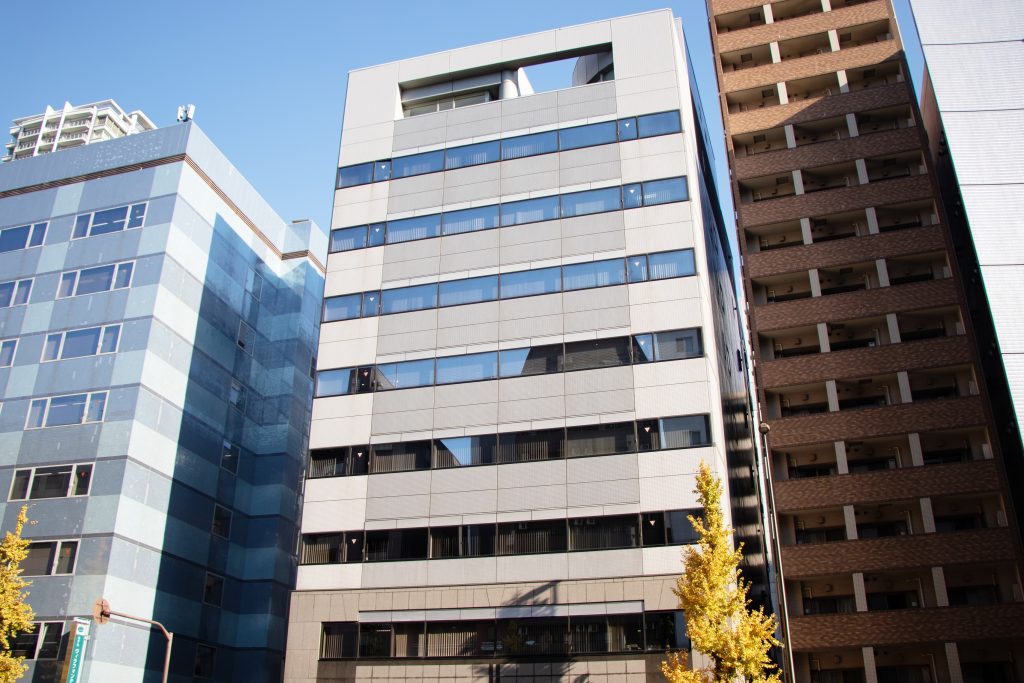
(77, 659)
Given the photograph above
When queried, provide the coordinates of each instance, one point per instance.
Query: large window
(536, 210)
(689, 431)
(89, 341)
(109, 220)
(518, 147)
(670, 264)
(73, 409)
(7, 349)
(583, 355)
(43, 642)
(46, 558)
(22, 237)
(58, 481)
(93, 280)
(15, 292)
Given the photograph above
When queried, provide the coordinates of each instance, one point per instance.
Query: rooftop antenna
(186, 112)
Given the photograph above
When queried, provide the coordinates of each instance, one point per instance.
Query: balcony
(792, 343)
(881, 120)
(751, 144)
(773, 237)
(804, 46)
(892, 166)
(752, 99)
(864, 34)
(852, 278)
(747, 58)
(906, 215)
(735, 21)
(823, 130)
(794, 9)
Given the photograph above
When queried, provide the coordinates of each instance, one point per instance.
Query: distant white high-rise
(72, 126)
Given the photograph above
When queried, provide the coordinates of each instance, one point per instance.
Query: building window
(7, 348)
(221, 521)
(109, 220)
(204, 661)
(229, 457)
(60, 481)
(15, 292)
(236, 394)
(46, 558)
(22, 237)
(246, 339)
(213, 589)
(93, 280)
(73, 409)
(41, 643)
(90, 341)
(254, 285)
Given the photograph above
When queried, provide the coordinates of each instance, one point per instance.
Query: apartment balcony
(860, 354)
(736, 15)
(804, 110)
(830, 145)
(980, 476)
(807, 75)
(900, 627)
(838, 200)
(772, 237)
(904, 552)
(906, 216)
(866, 423)
(799, 18)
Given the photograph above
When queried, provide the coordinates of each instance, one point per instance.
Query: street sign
(77, 660)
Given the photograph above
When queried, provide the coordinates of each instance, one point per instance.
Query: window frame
(87, 226)
(12, 344)
(18, 286)
(116, 267)
(99, 342)
(40, 632)
(54, 561)
(35, 236)
(72, 480)
(85, 411)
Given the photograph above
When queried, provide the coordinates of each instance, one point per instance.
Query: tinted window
(678, 344)
(680, 531)
(416, 373)
(467, 368)
(376, 235)
(627, 129)
(401, 457)
(408, 299)
(530, 282)
(529, 145)
(531, 537)
(382, 171)
(349, 238)
(79, 343)
(586, 136)
(93, 280)
(596, 353)
(643, 348)
(371, 304)
(462, 451)
(535, 360)
(529, 211)
(417, 228)
(664, 191)
(632, 196)
(66, 410)
(335, 382)
(13, 238)
(659, 124)
(671, 264)
(684, 432)
(469, 220)
(545, 444)
(636, 268)
(471, 155)
(604, 439)
(342, 307)
(591, 201)
(595, 274)
(602, 533)
(110, 220)
(469, 291)
(417, 164)
(359, 174)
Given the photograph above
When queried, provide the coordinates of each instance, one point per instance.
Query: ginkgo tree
(16, 614)
(713, 595)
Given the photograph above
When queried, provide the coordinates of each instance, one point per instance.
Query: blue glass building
(158, 325)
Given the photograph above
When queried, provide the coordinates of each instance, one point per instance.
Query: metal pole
(790, 674)
(167, 634)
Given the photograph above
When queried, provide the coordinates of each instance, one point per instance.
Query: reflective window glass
(671, 264)
(416, 228)
(81, 226)
(678, 344)
(643, 348)
(371, 304)
(541, 444)
(92, 280)
(586, 136)
(7, 352)
(360, 174)
(111, 334)
(382, 171)
(341, 307)
(51, 482)
(468, 368)
(66, 410)
(376, 235)
(684, 432)
(659, 124)
(636, 268)
(14, 238)
(97, 403)
(632, 196)
(417, 164)
(605, 439)
(404, 456)
(348, 238)
(463, 451)
(680, 530)
(109, 220)
(596, 353)
(652, 527)
(478, 540)
(123, 277)
(591, 201)
(534, 360)
(415, 373)
(79, 343)
(136, 216)
(533, 537)
(627, 129)
(531, 282)
(603, 533)
(665, 191)
(473, 290)
(470, 220)
(472, 155)
(334, 382)
(595, 274)
(408, 299)
(529, 145)
(530, 211)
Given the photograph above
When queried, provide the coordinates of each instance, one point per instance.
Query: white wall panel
(394, 574)
(667, 560)
(462, 571)
(328, 577)
(333, 515)
(549, 567)
(607, 563)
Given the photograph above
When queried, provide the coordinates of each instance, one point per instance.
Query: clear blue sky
(268, 78)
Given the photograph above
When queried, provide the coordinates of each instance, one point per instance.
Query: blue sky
(268, 78)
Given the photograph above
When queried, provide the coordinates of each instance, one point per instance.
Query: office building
(157, 326)
(900, 550)
(72, 126)
(529, 342)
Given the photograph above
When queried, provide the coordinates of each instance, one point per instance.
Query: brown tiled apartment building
(900, 555)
